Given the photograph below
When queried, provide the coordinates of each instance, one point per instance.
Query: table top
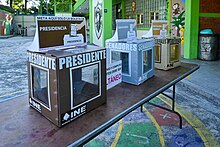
(21, 125)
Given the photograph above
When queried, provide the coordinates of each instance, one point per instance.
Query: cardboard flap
(125, 29)
(55, 32)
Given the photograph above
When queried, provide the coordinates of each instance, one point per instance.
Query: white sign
(81, 59)
(97, 22)
(121, 46)
(114, 74)
(42, 60)
(73, 40)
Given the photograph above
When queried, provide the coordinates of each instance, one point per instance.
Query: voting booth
(66, 80)
(167, 50)
(137, 55)
(167, 53)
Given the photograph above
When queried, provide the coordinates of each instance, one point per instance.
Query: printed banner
(59, 32)
(114, 74)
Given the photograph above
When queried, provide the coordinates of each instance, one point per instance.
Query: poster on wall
(55, 32)
(97, 22)
(177, 18)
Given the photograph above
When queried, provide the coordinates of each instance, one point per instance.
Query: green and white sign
(100, 21)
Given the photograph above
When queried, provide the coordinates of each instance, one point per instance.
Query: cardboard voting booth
(137, 55)
(66, 83)
(167, 50)
(167, 53)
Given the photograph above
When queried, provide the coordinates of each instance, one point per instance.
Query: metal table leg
(173, 105)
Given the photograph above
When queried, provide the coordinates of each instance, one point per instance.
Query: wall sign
(97, 22)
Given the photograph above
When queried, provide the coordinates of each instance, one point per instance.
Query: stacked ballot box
(66, 84)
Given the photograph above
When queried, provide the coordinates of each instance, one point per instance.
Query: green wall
(107, 20)
(168, 16)
(191, 29)
(90, 22)
(78, 4)
(215, 15)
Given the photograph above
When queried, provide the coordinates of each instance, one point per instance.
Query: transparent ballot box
(167, 53)
(66, 84)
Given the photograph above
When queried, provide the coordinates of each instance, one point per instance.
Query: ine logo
(71, 115)
(98, 19)
(35, 105)
(66, 117)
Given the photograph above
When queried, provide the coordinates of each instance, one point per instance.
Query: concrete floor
(13, 68)
(198, 102)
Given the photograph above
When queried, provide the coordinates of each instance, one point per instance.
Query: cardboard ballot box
(167, 53)
(137, 58)
(137, 55)
(65, 84)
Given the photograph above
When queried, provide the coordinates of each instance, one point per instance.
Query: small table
(20, 125)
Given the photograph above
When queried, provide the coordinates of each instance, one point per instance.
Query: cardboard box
(167, 53)
(58, 32)
(60, 86)
(137, 58)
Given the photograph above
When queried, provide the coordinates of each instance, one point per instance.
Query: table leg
(173, 105)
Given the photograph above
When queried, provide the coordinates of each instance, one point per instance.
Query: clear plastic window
(116, 56)
(40, 85)
(86, 83)
(157, 53)
(147, 60)
(174, 53)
